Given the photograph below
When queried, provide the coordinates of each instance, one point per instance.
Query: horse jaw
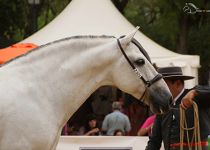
(125, 41)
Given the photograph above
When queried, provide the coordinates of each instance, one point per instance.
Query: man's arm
(200, 94)
(188, 99)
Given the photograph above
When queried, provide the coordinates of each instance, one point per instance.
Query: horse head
(136, 71)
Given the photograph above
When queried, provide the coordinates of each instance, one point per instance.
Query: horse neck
(90, 72)
(69, 76)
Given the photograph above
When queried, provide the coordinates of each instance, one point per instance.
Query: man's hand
(187, 100)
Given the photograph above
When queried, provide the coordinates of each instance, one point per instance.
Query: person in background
(91, 127)
(166, 126)
(70, 129)
(65, 130)
(118, 132)
(116, 120)
(146, 128)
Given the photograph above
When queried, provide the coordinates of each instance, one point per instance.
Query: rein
(147, 83)
(196, 129)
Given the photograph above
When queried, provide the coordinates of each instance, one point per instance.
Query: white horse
(42, 89)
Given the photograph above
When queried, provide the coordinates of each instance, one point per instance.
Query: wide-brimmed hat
(173, 73)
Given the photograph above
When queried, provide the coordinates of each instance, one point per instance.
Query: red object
(202, 143)
(15, 50)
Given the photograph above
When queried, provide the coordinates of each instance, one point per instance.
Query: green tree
(13, 17)
(47, 11)
(166, 23)
(18, 18)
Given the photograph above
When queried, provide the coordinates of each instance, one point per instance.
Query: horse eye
(140, 62)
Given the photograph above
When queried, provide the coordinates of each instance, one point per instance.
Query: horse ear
(125, 41)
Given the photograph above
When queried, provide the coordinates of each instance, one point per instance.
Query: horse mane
(58, 41)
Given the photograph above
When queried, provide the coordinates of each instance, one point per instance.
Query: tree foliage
(13, 16)
(17, 18)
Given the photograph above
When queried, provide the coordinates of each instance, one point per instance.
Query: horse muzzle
(160, 106)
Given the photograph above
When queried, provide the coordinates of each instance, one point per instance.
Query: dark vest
(166, 127)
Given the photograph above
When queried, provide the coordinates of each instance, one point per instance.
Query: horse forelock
(58, 41)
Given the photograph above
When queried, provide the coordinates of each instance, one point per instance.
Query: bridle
(147, 83)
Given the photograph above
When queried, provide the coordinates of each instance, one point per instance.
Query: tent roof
(99, 17)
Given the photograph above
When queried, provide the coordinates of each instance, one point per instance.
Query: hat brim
(182, 77)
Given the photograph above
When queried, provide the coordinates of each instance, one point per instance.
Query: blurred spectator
(119, 132)
(65, 130)
(147, 126)
(74, 129)
(91, 127)
(116, 120)
(70, 129)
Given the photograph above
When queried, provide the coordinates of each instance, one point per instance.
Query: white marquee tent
(100, 17)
